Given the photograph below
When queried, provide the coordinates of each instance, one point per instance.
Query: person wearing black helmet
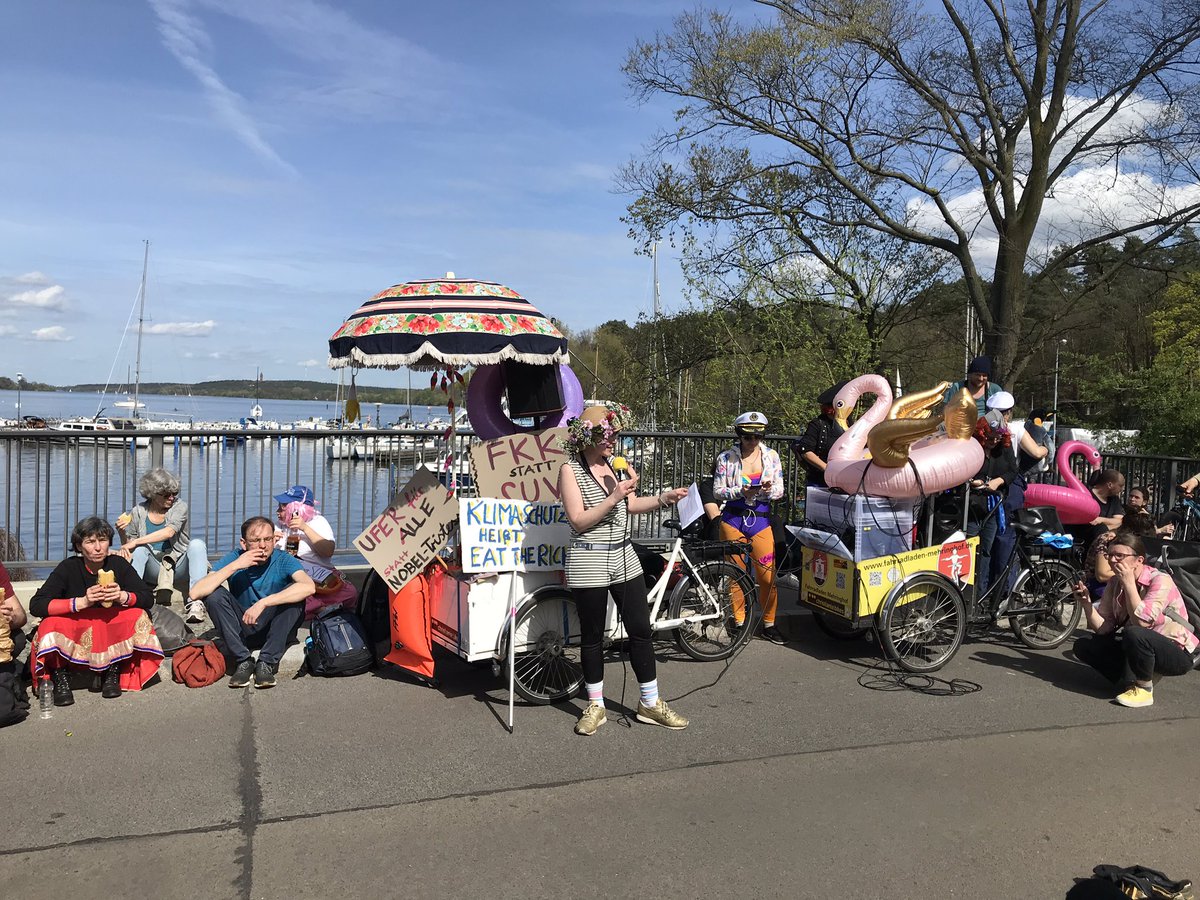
(978, 383)
(818, 439)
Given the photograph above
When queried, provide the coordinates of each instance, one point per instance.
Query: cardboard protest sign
(410, 532)
(512, 535)
(520, 466)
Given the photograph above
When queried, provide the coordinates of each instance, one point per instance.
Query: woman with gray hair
(154, 535)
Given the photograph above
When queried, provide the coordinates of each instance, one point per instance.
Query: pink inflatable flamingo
(941, 463)
(1075, 503)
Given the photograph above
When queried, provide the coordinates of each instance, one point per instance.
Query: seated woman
(12, 619)
(1138, 625)
(154, 535)
(1137, 510)
(312, 543)
(92, 626)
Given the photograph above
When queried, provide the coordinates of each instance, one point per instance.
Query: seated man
(262, 605)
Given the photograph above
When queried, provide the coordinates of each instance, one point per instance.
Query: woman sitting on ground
(313, 545)
(12, 619)
(154, 536)
(1139, 625)
(91, 626)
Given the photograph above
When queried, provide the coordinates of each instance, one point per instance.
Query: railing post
(156, 451)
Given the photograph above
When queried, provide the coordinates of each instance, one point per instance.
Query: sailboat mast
(654, 346)
(137, 369)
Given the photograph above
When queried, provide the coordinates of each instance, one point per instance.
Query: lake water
(69, 404)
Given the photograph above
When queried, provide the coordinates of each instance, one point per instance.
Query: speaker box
(533, 390)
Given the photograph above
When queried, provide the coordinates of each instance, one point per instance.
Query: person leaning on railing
(154, 536)
(93, 611)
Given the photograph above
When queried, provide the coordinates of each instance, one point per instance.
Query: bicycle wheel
(922, 623)
(1045, 589)
(717, 637)
(838, 628)
(546, 664)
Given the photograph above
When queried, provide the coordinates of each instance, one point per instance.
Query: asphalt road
(792, 780)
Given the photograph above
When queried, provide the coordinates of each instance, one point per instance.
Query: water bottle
(292, 544)
(46, 698)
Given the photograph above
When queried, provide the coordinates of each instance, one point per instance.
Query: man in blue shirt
(262, 605)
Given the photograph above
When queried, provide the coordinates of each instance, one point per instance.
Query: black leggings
(1133, 653)
(592, 605)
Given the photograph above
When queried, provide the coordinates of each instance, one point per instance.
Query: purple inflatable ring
(487, 415)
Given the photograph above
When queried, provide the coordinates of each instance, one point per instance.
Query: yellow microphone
(620, 466)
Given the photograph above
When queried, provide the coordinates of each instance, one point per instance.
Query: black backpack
(338, 645)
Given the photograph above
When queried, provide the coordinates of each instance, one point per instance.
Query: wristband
(73, 609)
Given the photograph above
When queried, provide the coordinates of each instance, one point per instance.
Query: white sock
(595, 692)
(649, 691)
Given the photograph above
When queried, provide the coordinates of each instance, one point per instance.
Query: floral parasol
(444, 324)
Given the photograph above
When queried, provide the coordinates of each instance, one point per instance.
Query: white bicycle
(697, 584)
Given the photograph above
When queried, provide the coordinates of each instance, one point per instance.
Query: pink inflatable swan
(1075, 503)
(941, 463)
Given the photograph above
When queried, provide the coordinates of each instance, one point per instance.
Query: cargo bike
(919, 597)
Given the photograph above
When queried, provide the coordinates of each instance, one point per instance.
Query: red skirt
(97, 638)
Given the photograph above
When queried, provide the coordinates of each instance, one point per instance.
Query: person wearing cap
(978, 384)
(818, 439)
(748, 476)
(313, 543)
(255, 597)
(600, 560)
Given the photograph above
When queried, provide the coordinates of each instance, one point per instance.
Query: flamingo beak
(842, 417)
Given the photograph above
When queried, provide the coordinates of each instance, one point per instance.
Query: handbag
(172, 631)
(327, 580)
(1142, 883)
(198, 663)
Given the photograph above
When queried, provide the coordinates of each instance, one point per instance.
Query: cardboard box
(869, 526)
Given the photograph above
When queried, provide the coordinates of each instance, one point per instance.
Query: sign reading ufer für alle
(511, 535)
(404, 538)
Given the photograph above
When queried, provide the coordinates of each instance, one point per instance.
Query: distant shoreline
(264, 390)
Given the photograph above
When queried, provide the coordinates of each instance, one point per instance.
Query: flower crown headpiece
(595, 425)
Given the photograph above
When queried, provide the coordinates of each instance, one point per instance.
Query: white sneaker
(196, 611)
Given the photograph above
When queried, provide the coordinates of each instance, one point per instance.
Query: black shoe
(111, 688)
(264, 675)
(771, 633)
(62, 688)
(243, 674)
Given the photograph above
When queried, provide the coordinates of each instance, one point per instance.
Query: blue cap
(296, 494)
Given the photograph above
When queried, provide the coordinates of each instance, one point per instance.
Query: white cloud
(7, 330)
(184, 36)
(32, 278)
(182, 329)
(47, 298)
(310, 362)
(52, 333)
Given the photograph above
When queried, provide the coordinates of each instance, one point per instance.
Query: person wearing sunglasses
(154, 536)
(748, 476)
(1140, 625)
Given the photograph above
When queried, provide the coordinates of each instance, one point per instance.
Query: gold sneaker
(591, 720)
(661, 714)
(1136, 697)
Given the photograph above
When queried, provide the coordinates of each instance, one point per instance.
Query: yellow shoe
(591, 720)
(661, 714)
(1136, 697)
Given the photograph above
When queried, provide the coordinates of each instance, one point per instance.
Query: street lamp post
(1057, 348)
(20, 380)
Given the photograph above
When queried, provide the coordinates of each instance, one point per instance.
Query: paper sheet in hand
(691, 507)
(820, 540)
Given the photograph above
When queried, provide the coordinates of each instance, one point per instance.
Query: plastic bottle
(46, 698)
(292, 545)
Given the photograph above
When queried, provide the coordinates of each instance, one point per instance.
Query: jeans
(986, 530)
(274, 630)
(193, 563)
(1132, 654)
(592, 605)
(1006, 541)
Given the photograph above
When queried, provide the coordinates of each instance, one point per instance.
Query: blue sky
(289, 158)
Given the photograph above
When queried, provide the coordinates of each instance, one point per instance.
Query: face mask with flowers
(582, 434)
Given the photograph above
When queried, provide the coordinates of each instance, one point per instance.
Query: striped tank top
(599, 568)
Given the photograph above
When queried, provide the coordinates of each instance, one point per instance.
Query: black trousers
(634, 610)
(1132, 654)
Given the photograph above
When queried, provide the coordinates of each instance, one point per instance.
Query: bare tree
(947, 128)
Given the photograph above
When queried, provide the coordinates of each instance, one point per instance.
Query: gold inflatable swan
(891, 440)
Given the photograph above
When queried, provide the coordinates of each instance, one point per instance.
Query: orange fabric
(412, 623)
(762, 551)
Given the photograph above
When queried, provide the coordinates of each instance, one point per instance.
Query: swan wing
(890, 440)
(960, 415)
(917, 405)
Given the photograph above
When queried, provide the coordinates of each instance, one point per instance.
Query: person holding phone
(748, 476)
(1139, 625)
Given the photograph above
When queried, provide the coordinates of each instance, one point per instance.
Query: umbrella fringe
(436, 360)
